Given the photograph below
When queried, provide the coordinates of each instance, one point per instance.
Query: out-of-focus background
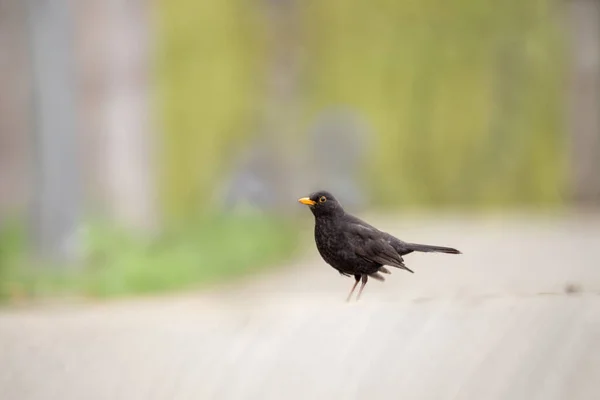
(158, 149)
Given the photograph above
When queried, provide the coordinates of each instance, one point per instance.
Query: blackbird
(355, 248)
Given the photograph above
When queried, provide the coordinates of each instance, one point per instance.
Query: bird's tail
(425, 248)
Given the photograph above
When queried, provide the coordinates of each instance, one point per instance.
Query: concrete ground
(517, 316)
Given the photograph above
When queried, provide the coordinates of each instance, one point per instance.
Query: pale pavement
(517, 316)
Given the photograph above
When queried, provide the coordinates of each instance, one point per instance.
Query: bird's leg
(365, 278)
(357, 277)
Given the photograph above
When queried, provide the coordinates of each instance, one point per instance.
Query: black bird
(356, 248)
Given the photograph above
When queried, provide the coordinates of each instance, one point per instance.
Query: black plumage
(355, 248)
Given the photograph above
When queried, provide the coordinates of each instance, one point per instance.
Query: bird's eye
(322, 199)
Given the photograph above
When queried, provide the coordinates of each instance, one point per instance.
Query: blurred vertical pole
(282, 104)
(127, 133)
(114, 49)
(14, 114)
(584, 98)
(56, 194)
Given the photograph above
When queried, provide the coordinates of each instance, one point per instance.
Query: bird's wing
(371, 244)
(401, 247)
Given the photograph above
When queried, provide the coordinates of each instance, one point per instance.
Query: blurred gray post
(584, 98)
(282, 94)
(114, 48)
(271, 173)
(56, 187)
(128, 139)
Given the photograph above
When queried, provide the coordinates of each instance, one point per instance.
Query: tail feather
(425, 248)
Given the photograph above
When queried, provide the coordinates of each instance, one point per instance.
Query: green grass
(118, 263)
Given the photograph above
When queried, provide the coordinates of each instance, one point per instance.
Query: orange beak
(307, 201)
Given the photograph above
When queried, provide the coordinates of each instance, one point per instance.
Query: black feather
(354, 247)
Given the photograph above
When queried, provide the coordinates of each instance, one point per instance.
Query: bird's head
(322, 203)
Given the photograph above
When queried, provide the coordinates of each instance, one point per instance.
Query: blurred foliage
(208, 60)
(465, 96)
(117, 263)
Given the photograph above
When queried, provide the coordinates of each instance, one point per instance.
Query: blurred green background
(198, 125)
(465, 98)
